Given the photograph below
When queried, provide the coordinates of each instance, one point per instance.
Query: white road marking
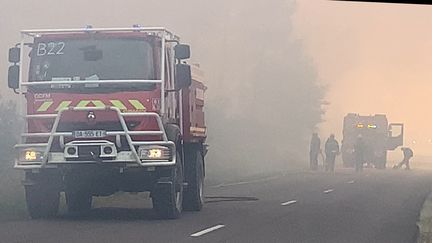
(328, 191)
(351, 182)
(246, 182)
(208, 230)
(288, 203)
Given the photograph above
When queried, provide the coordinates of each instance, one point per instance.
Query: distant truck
(108, 110)
(378, 135)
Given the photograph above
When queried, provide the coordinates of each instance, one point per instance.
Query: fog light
(71, 150)
(31, 155)
(107, 150)
(154, 153)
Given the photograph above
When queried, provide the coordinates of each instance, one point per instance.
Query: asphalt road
(376, 206)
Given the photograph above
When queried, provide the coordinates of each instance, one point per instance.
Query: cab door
(395, 136)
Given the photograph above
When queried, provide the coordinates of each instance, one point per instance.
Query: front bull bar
(52, 160)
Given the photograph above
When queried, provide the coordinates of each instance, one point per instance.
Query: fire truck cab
(108, 110)
(379, 137)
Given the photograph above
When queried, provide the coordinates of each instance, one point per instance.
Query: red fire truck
(379, 137)
(108, 110)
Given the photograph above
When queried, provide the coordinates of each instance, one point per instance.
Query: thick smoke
(267, 100)
(263, 99)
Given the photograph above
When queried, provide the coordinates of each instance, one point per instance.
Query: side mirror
(395, 136)
(14, 55)
(183, 76)
(13, 77)
(182, 51)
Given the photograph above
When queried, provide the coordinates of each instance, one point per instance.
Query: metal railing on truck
(125, 132)
(163, 33)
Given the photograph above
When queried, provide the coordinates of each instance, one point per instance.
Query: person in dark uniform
(359, 153)
(408, 154)
(315, 149)
(331, 151)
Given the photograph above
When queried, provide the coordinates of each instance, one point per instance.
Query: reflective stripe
(98, 103)
(137, 105)
(63, 104)
(86, 103)
(45, 106)
(92, 103)
(83, 103)
(197, 129)
(118, 104)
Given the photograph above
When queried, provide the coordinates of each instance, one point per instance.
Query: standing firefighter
(315, 148)
(408, 154)
(331, 151)
(359, 153)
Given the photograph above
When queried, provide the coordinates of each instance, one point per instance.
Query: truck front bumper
(37, 156)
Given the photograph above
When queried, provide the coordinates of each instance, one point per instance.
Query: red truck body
(378, 135)
(114, 109)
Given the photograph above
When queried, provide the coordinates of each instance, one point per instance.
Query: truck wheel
(42, 201)
(348, 159)
(167, 197)
(78, 201)
(380, 160)
(194, 196)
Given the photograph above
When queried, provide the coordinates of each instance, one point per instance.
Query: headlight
(31, 155)
(154, 153)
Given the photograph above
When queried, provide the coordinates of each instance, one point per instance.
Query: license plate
(90, 134)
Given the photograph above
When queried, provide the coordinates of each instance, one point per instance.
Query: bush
(12, 202)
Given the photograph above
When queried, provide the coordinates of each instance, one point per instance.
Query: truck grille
(84, 152)
(75, 126)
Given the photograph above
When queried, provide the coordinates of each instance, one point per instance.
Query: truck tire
(78, 201)
(347, 159)
(381, 160)
(42, 200)
(173, 134)
(167, 197)
(194, 195)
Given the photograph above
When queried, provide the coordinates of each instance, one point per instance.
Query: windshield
(92, 59)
